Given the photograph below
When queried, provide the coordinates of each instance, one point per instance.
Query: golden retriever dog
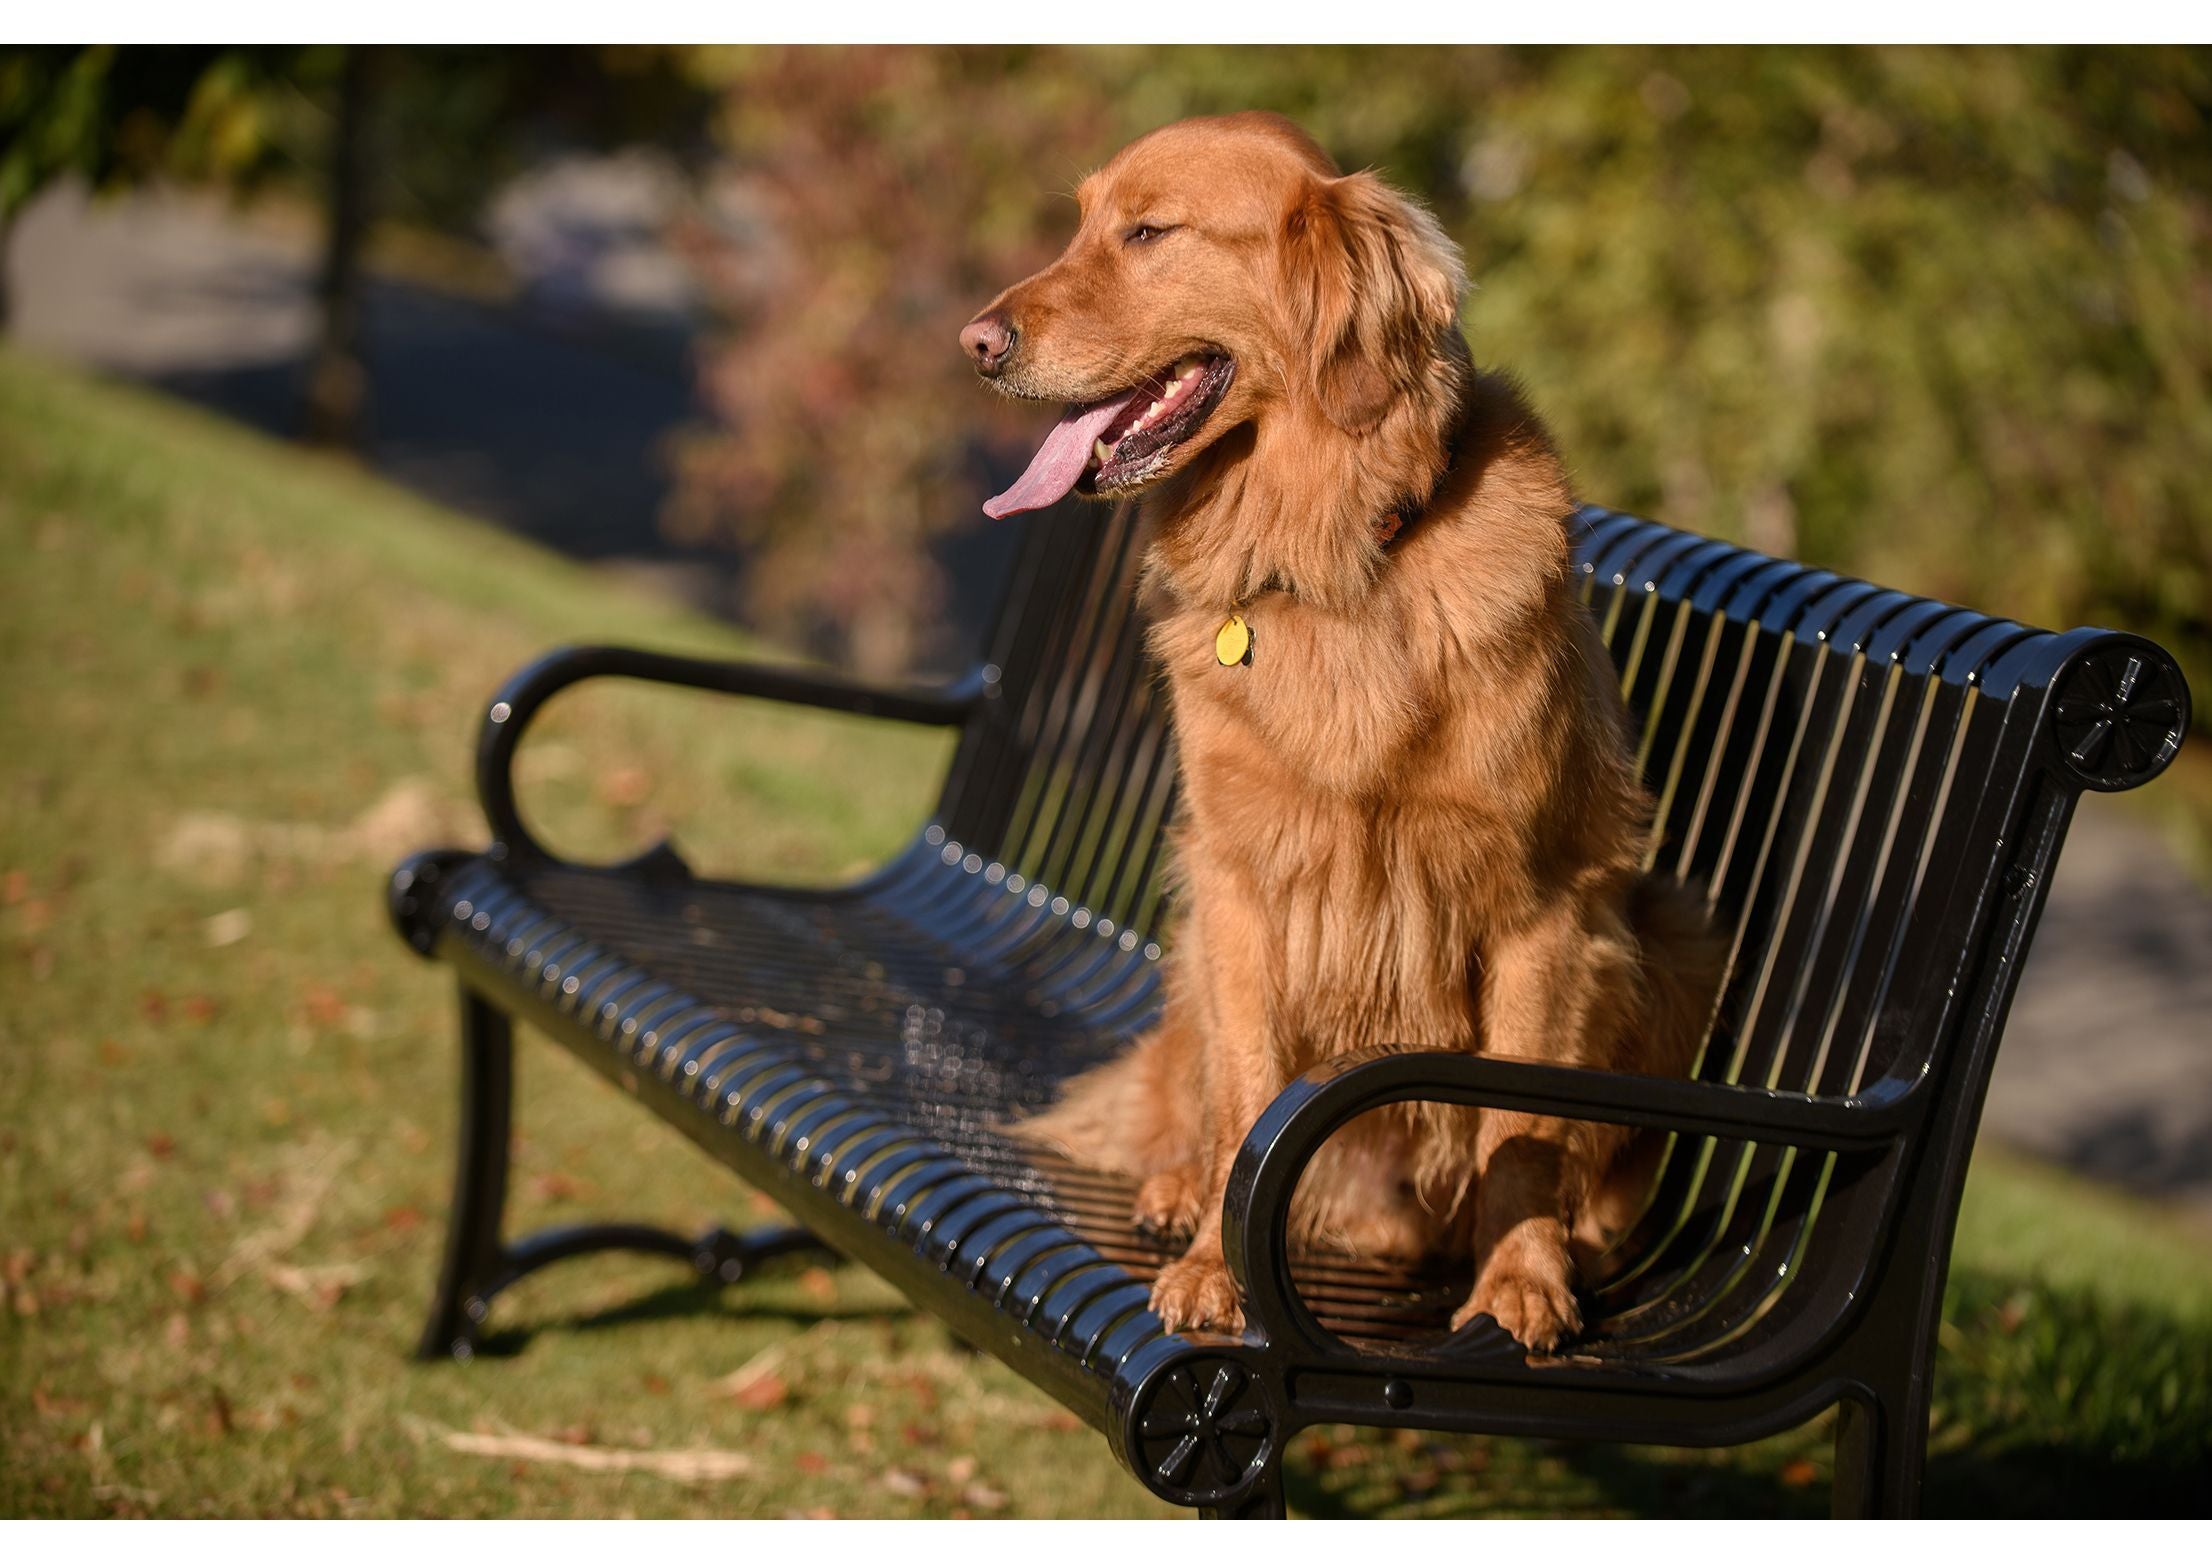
(1410, 814)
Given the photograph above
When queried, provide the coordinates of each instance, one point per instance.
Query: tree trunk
(337, 382)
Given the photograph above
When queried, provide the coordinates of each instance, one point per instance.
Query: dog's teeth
(1188, 364)
(1154, 410)
(1100, 450)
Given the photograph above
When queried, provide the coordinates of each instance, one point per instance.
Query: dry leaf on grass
(762, 1393)
(262, 1250)
(684, 1466)
(321, 1285)
(213, 847)
(227, 928)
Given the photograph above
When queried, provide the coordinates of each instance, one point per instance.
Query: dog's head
(1224, 272)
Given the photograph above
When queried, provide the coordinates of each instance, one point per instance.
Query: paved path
(557, 431)
(2107, 1065)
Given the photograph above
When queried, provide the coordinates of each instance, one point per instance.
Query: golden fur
(1414, 820)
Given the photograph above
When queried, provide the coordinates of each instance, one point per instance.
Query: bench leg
(474, 1253)
(480, 1263)
(1881, 1446)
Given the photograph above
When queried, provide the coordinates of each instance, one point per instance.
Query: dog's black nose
(989, 339)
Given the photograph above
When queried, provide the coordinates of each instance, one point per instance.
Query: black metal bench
(1874, 787)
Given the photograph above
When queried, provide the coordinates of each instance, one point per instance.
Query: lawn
(240, 682)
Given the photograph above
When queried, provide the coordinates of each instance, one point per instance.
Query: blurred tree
(1940, 317)
(423, 135)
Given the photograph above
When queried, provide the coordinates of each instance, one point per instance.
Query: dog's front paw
(1197, 1292)
(1529, 1289)
(1169, 1204)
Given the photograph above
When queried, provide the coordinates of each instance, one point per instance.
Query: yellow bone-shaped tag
(1233, 642)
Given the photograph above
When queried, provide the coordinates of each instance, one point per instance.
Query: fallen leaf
(763, 1393)
(624, 787)
(1799, 1473)
(200, 1009)
(323, 1005)
(811, 1462)
(320, 1286)
(227, 928)
(161, 1147)
(906, 1484)
(983, 1496)
(960, 1468)
(556, 1188)
(14, 886)
(818, 1284)
(761, 1365)
(402, 1219)
(57, 1406)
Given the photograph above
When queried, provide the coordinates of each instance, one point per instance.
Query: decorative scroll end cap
(1202, 1431)
(2119, 714)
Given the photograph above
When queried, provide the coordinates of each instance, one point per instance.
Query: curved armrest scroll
(519, 700)
(1313, 1107)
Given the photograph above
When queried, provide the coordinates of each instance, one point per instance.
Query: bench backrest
(1869, 787)
(1822, 752)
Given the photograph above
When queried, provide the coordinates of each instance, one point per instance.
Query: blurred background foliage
(1939, 317)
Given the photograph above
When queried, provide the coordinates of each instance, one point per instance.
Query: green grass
(240, 682)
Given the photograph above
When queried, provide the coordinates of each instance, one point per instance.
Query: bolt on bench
(1873, 787)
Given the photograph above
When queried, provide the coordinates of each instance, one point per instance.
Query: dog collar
(1233, 641)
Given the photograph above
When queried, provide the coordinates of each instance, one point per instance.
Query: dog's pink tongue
(1059, 461)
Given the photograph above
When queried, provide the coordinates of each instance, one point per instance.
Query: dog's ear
(1371, 279)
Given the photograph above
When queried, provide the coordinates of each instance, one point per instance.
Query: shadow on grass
(2064, 1480)
(687, 1300)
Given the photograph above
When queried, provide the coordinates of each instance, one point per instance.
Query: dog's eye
(1145, 233)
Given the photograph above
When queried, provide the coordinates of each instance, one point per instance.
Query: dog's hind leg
(1137, 1114)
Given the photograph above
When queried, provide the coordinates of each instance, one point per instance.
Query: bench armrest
(1318, 1103)
(519, 700)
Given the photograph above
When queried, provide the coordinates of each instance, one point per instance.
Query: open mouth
(1166, 411)
(1123, 441)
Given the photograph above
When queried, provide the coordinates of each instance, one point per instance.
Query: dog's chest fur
(1337, 789)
